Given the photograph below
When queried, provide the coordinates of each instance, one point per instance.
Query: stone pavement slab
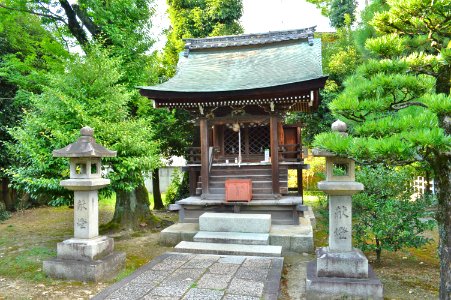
(187, 276)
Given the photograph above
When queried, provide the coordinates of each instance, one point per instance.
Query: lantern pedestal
(320, 287)
(87, 256)
(85, 260)
(340, 271)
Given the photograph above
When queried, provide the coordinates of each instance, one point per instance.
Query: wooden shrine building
(238, 89)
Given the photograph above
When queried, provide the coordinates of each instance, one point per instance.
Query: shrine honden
(238, 90)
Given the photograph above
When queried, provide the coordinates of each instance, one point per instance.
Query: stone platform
(342, 288)
(201, 276)
(296, 238)
(285, 210)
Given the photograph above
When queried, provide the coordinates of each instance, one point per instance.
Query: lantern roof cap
(85, 146)
(339, 126)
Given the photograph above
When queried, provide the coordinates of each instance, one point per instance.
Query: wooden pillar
(273, 127)
(300, 168)
(204, 136)
(300, 187)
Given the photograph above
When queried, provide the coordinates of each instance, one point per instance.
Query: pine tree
(398, 103)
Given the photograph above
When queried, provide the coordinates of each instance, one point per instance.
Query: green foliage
(364, 30)
(398, 108)
(322, 5)
(314, 174)
(388, 109)
(384, 216)
(337, 11)
(172, 131)
(340, 59)
(174, 191)
(87, 93)
(416, 17)
(197, 19)
(343, 62)
(340, 10)
(4, 215)
(27, 264)
(27, 52)
(61, 201)
(386, 46)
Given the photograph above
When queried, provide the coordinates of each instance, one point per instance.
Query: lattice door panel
(259, 139)
(231, 141)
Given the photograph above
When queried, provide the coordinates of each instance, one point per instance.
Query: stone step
(229, 249)
(229, 222)
(245, 238)
(222, 178)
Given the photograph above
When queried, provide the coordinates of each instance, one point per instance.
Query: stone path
(186, 276)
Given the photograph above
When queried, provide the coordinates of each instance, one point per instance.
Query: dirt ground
(30, 236)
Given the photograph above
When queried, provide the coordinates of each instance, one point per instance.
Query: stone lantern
(87, 256)
(340, 270)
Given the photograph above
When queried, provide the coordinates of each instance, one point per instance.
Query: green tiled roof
(246, 67)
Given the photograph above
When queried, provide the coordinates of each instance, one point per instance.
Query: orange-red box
(238, 190)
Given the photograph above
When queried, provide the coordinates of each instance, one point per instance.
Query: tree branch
(54, 17)
(73, 25)
(407, 104)
(86, 20)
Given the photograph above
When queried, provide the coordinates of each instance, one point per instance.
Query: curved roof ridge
(249, 39)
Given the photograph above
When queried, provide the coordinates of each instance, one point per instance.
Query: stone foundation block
(351, 264)
(302, 243)
(85, 249)
(178, 232)
(342, 288)
(97, 270)
(230, 222)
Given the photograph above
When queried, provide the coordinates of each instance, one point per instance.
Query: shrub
(4, 214)
(178, 188)
(384, 215)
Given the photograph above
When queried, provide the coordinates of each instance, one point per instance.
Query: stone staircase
(232, 234)
(261, 176)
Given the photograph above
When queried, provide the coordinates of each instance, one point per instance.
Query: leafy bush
(4, 215)
(61, 201)
(384, 215)
(179, 187)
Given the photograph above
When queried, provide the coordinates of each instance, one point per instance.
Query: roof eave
(289, 88)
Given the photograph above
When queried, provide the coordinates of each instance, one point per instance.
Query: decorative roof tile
(248, 39)
(246, 62)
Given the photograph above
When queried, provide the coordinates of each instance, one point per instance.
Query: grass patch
(108, 203)
(26, 264)
(133, 262)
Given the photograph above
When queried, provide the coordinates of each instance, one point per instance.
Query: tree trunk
(378, 251)
(427, 187)
(132, 208)
(73, 25)
(442, 170)
(157, 201)
(7, 196)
